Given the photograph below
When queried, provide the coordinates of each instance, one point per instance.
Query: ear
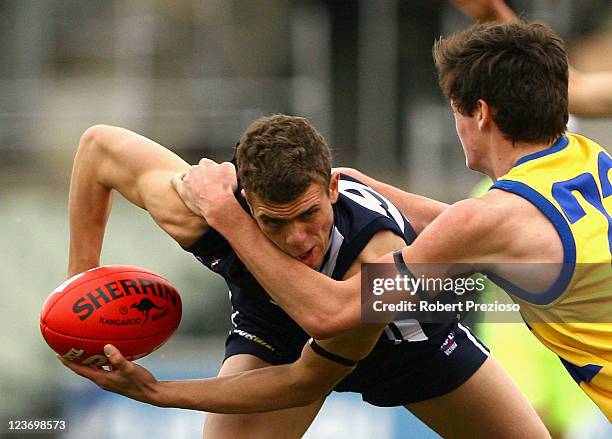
(246, 197)
(333, 186)
(484, 115)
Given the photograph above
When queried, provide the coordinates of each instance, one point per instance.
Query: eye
(309, 213)
(272, 222)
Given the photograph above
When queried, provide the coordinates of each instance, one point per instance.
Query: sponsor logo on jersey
(253, 338)
(449, 344)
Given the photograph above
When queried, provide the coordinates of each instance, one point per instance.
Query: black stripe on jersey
(396, 332)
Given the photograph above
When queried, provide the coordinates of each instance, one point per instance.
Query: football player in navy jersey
(328, 222)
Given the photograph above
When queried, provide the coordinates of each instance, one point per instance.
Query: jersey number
(369, 199)
(586, 185)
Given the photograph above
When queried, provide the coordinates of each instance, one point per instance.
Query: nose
(296, 235)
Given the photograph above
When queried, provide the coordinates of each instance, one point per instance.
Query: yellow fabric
(575, 182)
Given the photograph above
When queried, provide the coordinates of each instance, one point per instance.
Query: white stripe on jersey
(411, 330)
(473, 339)
(234, 314)
(336, 241)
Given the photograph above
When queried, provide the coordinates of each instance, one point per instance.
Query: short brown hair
(520, 69)
(279, 156)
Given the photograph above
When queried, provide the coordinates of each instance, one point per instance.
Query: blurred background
(192, 75)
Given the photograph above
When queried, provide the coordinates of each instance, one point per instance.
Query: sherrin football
(132, 308)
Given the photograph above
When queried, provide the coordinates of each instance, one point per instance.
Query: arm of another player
(466, 232)
(590, 93)
(271, 388)
(111, 158)
(419, 210)
(486, 10)
(208, 190)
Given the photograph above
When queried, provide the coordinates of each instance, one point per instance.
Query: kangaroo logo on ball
(145, 306)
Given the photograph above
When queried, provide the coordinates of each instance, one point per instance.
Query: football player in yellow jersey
(551, 204)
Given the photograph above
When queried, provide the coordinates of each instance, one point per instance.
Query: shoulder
(471, 230)
(498, 227)
(381, 243)
(473, 216)
(361, 209)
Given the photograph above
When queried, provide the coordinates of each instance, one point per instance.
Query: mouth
(304, 257)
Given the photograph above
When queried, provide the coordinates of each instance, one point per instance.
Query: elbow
(306, 391)
(94, 138)
(306, 396)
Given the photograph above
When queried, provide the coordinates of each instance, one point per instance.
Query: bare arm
(271, 388)
(309, 302)
(486, 10)
(111, 158)
(212, 197)
(590, 93)
(419, 210)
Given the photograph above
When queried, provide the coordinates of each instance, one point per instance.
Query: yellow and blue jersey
(570, 183)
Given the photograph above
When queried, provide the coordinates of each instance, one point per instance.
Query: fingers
(177, 182)
(116, 359)
(88, 372)
(229, 166)
(206, 162)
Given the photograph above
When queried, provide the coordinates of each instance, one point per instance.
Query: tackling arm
(111, 158)
(320, 305)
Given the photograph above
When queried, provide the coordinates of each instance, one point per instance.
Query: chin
(473, 165)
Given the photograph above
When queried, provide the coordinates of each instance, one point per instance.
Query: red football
(132, 308)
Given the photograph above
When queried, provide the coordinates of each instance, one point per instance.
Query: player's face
(300, 228)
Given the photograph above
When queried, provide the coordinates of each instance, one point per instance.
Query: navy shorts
(392, 374)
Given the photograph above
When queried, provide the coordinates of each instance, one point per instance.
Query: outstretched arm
(111, 158)
(271, 388)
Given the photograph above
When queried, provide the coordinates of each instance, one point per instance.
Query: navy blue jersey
(411, 362)
(359, 214)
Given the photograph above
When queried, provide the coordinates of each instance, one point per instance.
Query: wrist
(226, 215)
(158, 394)
(79, 266)
(500, 11)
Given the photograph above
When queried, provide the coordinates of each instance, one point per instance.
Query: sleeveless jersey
(359, 214)
(570, 183)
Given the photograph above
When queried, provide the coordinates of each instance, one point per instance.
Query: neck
(504, 155)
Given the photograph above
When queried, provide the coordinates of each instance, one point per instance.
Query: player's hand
(125, 378)
(484, 10)
(207, 188)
